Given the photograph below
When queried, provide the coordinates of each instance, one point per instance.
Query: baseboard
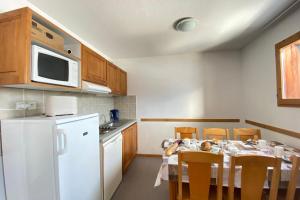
(149, 155)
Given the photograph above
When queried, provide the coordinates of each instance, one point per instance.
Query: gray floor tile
(138, 182)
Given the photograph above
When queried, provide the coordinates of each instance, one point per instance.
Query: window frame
(281, 101)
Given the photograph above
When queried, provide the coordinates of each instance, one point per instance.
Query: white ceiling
(142, 28)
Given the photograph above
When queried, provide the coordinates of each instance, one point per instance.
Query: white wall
(259, 81)
(183, 86)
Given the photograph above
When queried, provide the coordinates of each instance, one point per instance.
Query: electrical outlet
(23, 105)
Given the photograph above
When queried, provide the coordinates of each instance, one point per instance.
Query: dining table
(169, 168)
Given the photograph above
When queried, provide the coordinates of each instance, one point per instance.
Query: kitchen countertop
(125, 123)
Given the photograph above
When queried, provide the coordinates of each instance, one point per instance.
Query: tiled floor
(138, 182)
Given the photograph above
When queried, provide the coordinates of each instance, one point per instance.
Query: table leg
(173, 187)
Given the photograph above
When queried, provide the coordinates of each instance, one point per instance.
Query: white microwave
(50, 67)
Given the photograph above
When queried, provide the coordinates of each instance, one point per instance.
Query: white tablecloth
(170, 164)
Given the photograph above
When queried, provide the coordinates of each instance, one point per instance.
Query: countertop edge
(104, 138)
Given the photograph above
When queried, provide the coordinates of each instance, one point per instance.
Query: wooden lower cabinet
(129, 145)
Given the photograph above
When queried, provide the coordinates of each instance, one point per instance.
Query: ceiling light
(185, 24)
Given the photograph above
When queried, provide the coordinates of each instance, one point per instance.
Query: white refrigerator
(53, 158)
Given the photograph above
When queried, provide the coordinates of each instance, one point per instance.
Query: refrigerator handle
(62, 142)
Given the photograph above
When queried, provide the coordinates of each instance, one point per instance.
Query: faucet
(103, 116)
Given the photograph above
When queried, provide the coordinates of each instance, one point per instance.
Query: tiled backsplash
(126, 106)
(87, 103)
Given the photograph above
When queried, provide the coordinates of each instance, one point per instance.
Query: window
(288, 71)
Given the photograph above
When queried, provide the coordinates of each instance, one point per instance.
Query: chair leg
(173, 190)
(265, 194)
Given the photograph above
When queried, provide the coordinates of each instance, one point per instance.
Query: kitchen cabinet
(129, 145)
(18, 29)
(15, 28)
(16, 39)
(123, 83)
(113, 78)
(116, 80)
(93, 66)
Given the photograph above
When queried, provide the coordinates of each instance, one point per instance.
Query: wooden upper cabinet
(123, 82)
(15, 49)
(15, 43)
(17, 33)
(113, 78)
(110, 76)
(94, 67)
(116, 79)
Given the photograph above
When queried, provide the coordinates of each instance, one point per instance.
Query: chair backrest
(199, 172)
(253, 176)
(293, 180)
(187, 132)
(216, 133)
(246, 133)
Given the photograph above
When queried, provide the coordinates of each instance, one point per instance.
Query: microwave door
(53, 68)
(49, 67)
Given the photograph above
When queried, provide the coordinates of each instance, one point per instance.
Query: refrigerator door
(2, 188)
(79, 160)
(28, 159)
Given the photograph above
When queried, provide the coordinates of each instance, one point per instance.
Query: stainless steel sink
(110, 126)
(114, 124)
(106, 128)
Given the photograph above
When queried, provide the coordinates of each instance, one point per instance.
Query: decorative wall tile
(7, 114)
(35, 96)
(36, 112)
(9, 97)
(87, 103)
(126, 106)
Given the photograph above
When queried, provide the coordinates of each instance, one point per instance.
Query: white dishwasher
(112, 165)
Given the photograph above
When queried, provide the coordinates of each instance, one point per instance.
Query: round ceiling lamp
(185, 24)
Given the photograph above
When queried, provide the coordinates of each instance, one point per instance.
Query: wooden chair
(199, 172)
(253, 176)
(216, 133)
(187, 132)
(246, 133)
(293, 180)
